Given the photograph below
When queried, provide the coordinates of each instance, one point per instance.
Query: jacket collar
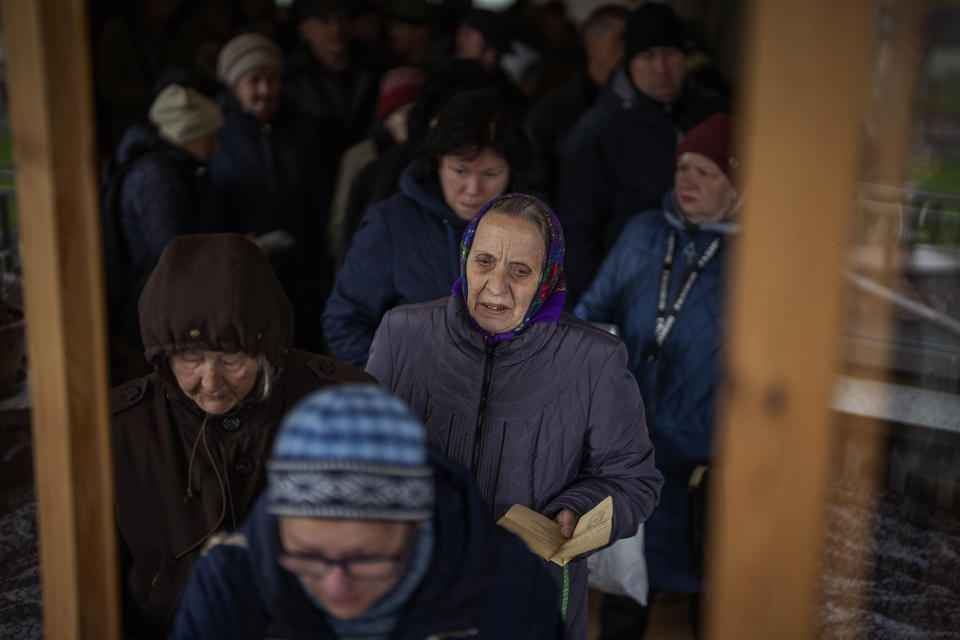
(470, 342)
(621, 94)
(675, 217)
(421, 185)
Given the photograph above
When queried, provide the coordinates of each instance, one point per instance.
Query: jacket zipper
(481, 411)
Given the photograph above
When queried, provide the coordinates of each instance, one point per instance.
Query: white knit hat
(244, 53)
(182, 114)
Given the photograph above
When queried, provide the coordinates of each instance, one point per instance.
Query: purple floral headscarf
(547, 304)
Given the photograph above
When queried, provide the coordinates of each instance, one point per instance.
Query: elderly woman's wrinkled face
(704, 192)
(345, 565)
(503, 270)
(258, 92)
(216, 381)
(471, 180)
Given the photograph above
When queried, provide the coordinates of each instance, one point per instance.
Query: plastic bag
(621, 569)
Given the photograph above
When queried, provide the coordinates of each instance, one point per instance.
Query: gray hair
(265, 377)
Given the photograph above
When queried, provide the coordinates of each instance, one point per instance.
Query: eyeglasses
(361, 568)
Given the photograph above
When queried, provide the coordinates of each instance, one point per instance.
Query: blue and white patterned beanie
(350, 452)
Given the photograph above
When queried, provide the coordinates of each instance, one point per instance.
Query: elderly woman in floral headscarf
(537, 404)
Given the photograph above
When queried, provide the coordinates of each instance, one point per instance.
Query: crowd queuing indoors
(424, 188)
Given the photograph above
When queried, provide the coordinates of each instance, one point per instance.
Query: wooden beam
(896, 91)
(51, 113)
(806, 76)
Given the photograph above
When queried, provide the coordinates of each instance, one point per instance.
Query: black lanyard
(665, 322)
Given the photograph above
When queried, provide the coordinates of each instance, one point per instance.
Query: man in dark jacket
(364, 533)
(274, 171)
(322, 78)
(551, 117)
(619, 157)
(189, 440)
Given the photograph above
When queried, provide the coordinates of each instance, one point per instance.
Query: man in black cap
(619, 157)
(418, 32)
(322, 78)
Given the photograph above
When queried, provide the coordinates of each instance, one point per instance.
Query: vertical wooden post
(805, 65)
(51, 112)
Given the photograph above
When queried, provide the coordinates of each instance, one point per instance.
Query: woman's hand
(567, 521)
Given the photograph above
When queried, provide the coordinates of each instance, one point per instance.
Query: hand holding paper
(543, 537)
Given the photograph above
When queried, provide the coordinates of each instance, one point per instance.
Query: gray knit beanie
(244, 53)
(182, 114)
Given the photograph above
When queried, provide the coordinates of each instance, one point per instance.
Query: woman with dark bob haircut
(406, 248)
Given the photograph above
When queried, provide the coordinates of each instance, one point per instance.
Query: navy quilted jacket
(679, 392)
(482, 582)
(274, 175)
(406, 250)
(165, 193)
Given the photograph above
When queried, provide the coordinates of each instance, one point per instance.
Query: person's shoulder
(418, 319)
(125, 397)
(591, 122)
(158, 171)
(359, 154)
(583, 339)
(134, 416)
(395, 208)
(587, 332)
(643, 225)
(228, 552)
(418, 313)
(327, 370)
(600, 123)
(700, 103)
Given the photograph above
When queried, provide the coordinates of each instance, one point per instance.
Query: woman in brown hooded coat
(190, 439)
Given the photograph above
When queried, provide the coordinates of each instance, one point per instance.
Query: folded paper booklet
(543, 537)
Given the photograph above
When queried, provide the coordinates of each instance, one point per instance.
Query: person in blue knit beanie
(364, 532)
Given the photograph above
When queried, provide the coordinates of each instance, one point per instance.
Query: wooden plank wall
(51, 112)
(805, 69)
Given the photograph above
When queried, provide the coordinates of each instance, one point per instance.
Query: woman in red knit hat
(663, 284)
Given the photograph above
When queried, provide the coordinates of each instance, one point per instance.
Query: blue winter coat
(165, 193)
(679, 393)
(618, 159)
(278, 176)
(406, 250)
(273, 175)
(482, 582)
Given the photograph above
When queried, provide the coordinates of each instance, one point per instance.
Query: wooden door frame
(47, 53)
(805, 72)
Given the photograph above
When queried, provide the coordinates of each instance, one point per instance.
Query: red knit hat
(398, 87)
(713, 139)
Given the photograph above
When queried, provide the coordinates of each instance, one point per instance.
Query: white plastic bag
(621, 569)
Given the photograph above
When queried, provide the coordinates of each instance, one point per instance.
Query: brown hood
(215, 292)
